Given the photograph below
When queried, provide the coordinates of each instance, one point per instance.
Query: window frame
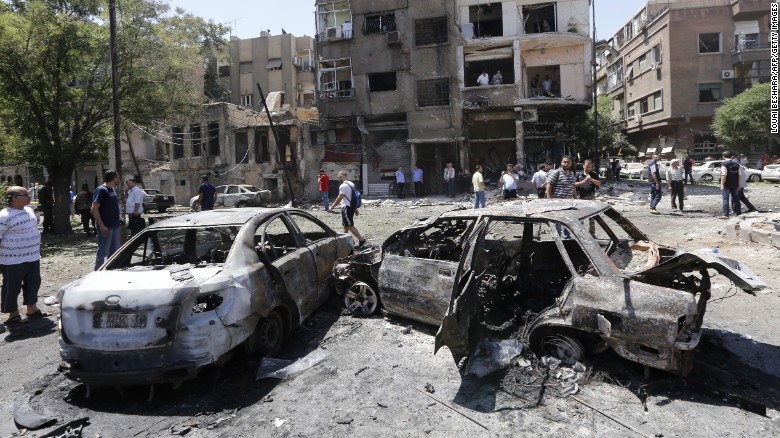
(713, 84)
(439, 99)
(435, 25)
(704, 45)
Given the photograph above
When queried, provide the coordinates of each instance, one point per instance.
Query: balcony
(347, 93)
(491, 96)
(747, 9)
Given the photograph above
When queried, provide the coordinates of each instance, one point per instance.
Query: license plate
(119, 320)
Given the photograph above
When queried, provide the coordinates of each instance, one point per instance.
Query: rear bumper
(169, 374)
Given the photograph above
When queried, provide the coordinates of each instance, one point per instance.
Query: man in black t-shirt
(105, 210)
(587, 181)
(730, 185)
(207, 194)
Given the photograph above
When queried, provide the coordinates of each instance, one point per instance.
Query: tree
(55, 77)
(743, 120)
(611, 138)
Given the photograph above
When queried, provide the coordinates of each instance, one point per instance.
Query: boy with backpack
(349, 199)
(730, 184)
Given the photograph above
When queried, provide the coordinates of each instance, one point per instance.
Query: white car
(710, 171)
(633, 171)
(236, 195)
(771, 172)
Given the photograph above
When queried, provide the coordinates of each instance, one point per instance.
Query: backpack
(357, 200)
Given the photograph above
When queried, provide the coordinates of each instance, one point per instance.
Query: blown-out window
(433, 92)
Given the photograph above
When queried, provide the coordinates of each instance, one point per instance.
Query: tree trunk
(60, 177)
(140, 180)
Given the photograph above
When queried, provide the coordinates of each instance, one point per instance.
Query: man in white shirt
(509, 181)
(400, 181)
(547, 86)
(484, 79)
(540, 179)
(449, 180)
(348, 212)
(417, 180)
(20, 256)
(134, 207)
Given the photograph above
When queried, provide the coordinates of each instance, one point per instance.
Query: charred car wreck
(186, 291)
(570, 277)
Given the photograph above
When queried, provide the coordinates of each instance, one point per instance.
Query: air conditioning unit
(637, 118)
(394, 37)
(297, 61)
(530, 115)
(333, 33)
(727, 74)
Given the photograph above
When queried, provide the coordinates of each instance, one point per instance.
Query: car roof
(576, 209)
(222, 217)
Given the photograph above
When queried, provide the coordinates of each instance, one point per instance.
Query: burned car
(186, 291)
(568, 276)
(236, 195)
(156, 200)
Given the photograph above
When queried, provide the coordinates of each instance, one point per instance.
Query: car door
(293, 263)
(231, 196)
(324, 248)
(418, 270)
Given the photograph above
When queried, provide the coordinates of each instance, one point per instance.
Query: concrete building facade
(397, 84)
(674, 62)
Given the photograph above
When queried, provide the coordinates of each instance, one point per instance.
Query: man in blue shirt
(207, 194)
(105, 210)
(400, 181)
(417, 179)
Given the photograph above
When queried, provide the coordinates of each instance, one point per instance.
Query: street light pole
(595, 94)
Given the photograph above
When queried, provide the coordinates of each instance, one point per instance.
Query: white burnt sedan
(186, 291)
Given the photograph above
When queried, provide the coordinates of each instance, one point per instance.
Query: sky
(247, 17)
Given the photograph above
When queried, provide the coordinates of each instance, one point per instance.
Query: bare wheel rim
(568, 350)
(269, 334)
(361, 299)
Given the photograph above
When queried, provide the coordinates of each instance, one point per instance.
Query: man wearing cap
(207, 194)
(675, 177)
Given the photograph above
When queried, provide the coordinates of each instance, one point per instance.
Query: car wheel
(754, 178)
(162, 209)
(241, 204)
(361, 299)
(196, 206)
(706, 178)
(568, 349)
(268, 338)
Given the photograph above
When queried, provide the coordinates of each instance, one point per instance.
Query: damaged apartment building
(232, 140)
(672, 64)
(398, 84)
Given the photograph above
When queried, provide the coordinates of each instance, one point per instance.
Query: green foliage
(743, 120)
(611, 138)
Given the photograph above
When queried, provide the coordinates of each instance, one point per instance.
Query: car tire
(195, 206)
(361, 299)
(162, 209)
(241, 204)
(565, 347)
(754, 178)
(268, 337)
(706, 178)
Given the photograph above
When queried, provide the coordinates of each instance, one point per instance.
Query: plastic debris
(570, 390)
(278, 422)
(282, 369)
(492, 355)
(49, 301)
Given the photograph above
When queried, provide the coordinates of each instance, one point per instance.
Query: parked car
(710, 171)
(155, 200)
(237, 195)
(186, 291)
(576, 274)
(633, 171)
(771, 172)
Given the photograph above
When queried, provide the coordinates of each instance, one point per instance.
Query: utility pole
(115, 85)
(596, 144)
(276, 138)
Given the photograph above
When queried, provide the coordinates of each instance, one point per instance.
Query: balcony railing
(337, 94)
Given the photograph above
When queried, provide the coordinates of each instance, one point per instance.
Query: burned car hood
(691, 261)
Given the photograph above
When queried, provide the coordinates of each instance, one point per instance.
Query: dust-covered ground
(382, 379)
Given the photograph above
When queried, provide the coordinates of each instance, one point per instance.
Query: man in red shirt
(323, 180)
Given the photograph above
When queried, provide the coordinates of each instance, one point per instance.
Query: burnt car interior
(274, 239)
(443, 240)
(157, 249)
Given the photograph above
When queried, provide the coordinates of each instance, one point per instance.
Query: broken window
(487, 20)
(539, 18)
(312, 230)
(274, 239)
(213, 138)
(195, 139)
(247, 100)
(442, 240)
(433, 92)
(497, 62)
(430, 31)
(180, 246)
(262, 154)
(709, 42)
(335, 79)
(335, 18)
(242, 147)
(709, 93)
(382, 81)
(178, 141)
(379, 23)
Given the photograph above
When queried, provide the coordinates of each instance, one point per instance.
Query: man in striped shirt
(20, 255)
(560, 182)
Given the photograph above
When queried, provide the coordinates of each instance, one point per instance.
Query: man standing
(400, 181)
(322, 181)
(688, 166)
(654, 179)
(547, 86)
(20, 255)
(83, 206)
(105, 210)
(509, 181)
(675, 177)
(479, 188)
(540, 179)
(46, 200)
(449, 180)
(535, 86)
(484, 79)
(346, 200)
(742, 186)
(134, 207)
(730, 185)
(417, 179)
(207, 194)
(587, 181)
(560, 181)
(497, 79)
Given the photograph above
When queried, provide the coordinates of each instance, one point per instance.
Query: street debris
(278, 422)
(492, 355)
(430, 388)
(282, 369)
